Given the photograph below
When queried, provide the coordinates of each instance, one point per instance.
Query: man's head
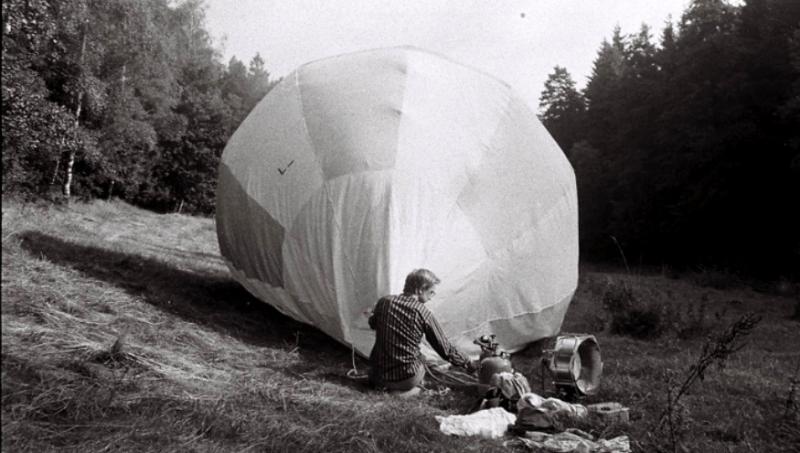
(421, 283)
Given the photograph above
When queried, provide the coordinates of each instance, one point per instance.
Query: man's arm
(373, 320)
(438, 340)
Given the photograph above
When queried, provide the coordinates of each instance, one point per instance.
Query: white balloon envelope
(355, 170)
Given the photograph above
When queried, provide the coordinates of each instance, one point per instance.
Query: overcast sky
(519, 41)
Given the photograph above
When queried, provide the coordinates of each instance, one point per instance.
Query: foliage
(685, 149)
(717, 349)
(629, 315)
(35, 132)
(563, 108)
(688, 150)
(716, 278)
(629, 312)
(131, 91)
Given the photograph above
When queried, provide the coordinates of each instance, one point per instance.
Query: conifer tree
(562, 109)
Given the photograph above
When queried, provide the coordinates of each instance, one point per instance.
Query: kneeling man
(400, 321)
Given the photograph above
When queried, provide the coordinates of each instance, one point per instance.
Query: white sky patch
(518, 41)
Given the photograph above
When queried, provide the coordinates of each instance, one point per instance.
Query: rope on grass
(451, 377)
(353, 373)
(447, 378)
(444, 377)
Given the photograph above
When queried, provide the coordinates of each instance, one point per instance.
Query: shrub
(629, 315)
(692, 319)
(717, 349)
(717, 278)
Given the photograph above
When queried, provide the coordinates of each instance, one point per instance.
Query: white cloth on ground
(488, 423)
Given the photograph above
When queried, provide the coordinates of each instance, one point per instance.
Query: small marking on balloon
(283, 170)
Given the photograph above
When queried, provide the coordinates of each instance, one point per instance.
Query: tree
(637, 105)
(602, 92)
(35, 130)
(80, 60)
(140, 91)
(563, 109)
(767, 84)
(235, 87)
(185, 174)
(243, 87)
(593, 184)
(258, 77)
(693, 145)
(129, 143)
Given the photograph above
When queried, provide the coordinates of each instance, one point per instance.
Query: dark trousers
(405, 384)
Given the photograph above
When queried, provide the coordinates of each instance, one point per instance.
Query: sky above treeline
(519, 41)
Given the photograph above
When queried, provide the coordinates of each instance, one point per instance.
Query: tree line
(123, 98)
(686, 152)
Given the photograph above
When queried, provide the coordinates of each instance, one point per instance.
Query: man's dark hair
(420, 280)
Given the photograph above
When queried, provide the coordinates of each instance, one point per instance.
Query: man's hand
(472, 366)
(369, 313)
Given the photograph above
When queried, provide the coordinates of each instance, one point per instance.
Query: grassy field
(122, 331)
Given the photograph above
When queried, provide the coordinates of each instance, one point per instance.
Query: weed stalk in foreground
(790, 404)
(717, 349)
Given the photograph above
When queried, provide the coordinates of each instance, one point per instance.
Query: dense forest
(687, 152)
(685, 145)
(123, 98)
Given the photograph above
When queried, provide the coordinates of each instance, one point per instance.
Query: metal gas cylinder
(491, 366)
(492, 361)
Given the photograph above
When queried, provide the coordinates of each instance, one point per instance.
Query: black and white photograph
(361, 226)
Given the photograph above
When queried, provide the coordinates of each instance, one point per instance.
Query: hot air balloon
(356, 169)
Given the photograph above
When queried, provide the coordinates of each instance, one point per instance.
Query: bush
(693, 319)
(629, 315)
(717, 278)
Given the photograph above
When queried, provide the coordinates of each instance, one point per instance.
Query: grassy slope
(122, 330)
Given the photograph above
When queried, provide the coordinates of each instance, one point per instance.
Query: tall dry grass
(734, 405)
(122, 331)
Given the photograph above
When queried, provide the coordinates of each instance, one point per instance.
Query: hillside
(121, 330)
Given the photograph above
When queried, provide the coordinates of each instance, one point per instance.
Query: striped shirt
(400, 322)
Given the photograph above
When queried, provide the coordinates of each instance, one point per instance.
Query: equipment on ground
(492, 360)
(356, 169)
(498, 382)
(609, 412)
(575, 364)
